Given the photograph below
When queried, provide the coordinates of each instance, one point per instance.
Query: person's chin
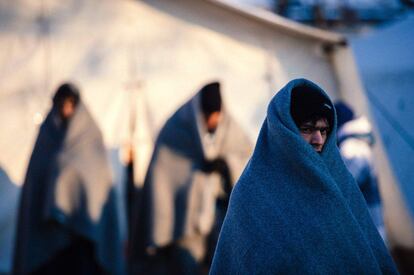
(318, 150)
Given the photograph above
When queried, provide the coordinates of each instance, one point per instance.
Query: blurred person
(131, 192)
(296, 209)
(198, 155)
(355, 139)
(67, 220)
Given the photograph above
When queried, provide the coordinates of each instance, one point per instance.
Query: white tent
(147, 58)
(385, 60)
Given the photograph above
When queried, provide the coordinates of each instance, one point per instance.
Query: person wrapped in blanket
(67, 221)
(355, 139)
(296, 209)
(198, 156)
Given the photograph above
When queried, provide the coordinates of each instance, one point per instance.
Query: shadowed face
(212, 121)
(315, 132)
(67, 108)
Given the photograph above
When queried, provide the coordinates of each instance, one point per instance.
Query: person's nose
(317, 137)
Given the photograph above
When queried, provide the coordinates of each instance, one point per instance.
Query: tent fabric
(117, 73)
(179, 197)
(294, 211)
(385, 60)
(67, 192)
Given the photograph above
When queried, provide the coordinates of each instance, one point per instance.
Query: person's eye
(306, 130)
(324, 131)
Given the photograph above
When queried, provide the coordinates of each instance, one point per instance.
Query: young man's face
(315, 132)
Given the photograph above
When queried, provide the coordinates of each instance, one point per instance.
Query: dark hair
(313, 120)
(210, 98)
(66, 90)
(309, 104)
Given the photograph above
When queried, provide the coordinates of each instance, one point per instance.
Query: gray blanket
(67, 193)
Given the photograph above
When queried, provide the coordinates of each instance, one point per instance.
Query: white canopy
(137, 61)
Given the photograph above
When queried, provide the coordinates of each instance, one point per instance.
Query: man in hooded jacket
(296, 209)
(67, 220)
(198, 156)
(355, 142)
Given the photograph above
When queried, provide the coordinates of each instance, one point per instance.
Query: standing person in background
(198, 156)
(131, 193)
(68, 220)
(296, 209)
(355, 139)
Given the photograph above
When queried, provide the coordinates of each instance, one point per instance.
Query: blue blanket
(294, 211)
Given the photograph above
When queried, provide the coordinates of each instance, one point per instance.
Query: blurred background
(136, 62)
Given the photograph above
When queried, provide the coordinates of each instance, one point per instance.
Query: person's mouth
(317, 148)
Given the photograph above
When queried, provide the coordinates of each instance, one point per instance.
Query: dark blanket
(294, 211)
(187, 175)
(67, 196)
